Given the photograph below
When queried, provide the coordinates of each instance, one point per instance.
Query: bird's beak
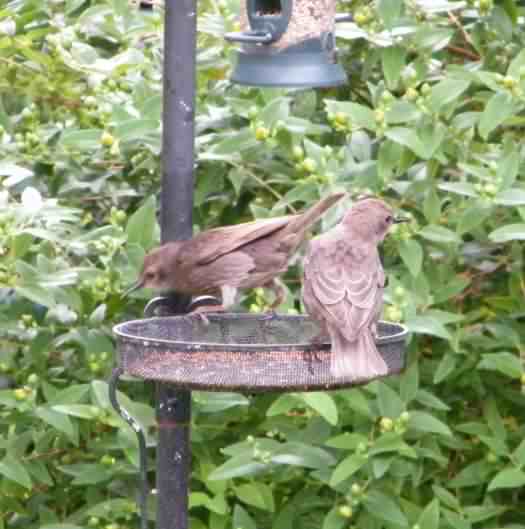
(399, 220)
(139, 283)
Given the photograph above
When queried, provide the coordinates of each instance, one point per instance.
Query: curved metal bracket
(203, 301)
(141, 437)
(251, 37)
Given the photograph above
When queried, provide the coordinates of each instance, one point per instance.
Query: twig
(266, 186)
(463, 52)
(463, 32)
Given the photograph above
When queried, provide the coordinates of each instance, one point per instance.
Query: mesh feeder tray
(241, 352)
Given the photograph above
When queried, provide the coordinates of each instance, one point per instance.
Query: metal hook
(137, 428)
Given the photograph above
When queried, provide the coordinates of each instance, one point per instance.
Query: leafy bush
(431, 120)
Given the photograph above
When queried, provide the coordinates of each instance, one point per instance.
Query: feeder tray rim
(117, 330)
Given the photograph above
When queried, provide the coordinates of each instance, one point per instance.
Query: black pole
(173, 405)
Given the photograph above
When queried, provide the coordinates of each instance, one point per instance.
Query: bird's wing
(211, 244)
(345, 283)
(230, 269)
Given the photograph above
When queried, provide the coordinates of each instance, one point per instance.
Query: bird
(343, 283)
(229, 258)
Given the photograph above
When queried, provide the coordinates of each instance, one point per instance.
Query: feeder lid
(241, 352)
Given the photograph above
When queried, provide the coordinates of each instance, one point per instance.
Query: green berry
(356, 489)
(386, 424)
(309, 165)
(261, 133)
(20, 394)
(404, 417)
(107, 139)
(345, 511)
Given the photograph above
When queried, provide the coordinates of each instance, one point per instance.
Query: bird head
(371, 219)
(156, 269)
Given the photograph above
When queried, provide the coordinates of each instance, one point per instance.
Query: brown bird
(343, 287)
(225, 259)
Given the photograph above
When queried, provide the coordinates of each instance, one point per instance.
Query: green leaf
(346, 468)
(61, 526)
(510, 232)
(424, 422)
(429, 518)
(472, 475)
(499, 107)
(439, 234)
(393, 62)
(459, 188)
(428, 325)
(510, 197)
(37, 294)
(81, 140)
(359, 115)
(59, 421)
(242, 465)
(409, 384)
(407, 138)
(445, 92)
(323, 404)
(445, 367)
(347, 441)
(217, 402)
(384, 508)
(141, 225)
(389, 11)
(506, 363)
(510, 478)
(12, 469)
(241, 519)
(82, 411)
(388, 401)
(446, 497)
(412, 255)
(256, 494)
(333, 520)
(302, 455)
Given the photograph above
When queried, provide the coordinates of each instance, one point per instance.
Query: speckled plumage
(343, 287)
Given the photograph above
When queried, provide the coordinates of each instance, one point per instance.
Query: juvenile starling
(343, 287)
(225, 259)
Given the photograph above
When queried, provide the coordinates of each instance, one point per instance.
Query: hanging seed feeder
(288, 43)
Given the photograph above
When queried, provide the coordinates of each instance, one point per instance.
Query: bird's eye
(389, 219)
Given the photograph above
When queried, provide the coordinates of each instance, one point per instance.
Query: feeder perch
(288, 43)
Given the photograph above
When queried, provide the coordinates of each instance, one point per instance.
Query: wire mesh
(241, 352)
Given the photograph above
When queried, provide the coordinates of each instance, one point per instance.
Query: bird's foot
(270, 314)
(201, 311)
(311, 357)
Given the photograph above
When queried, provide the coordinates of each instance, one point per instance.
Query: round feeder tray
(241, 352)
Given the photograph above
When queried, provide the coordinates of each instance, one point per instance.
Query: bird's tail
(355, 360)
(300, 224)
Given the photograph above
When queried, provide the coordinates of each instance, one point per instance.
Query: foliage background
(431, 119)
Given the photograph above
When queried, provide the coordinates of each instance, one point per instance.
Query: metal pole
(173, 405)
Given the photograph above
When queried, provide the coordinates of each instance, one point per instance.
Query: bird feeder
(292, 43)
(288, 43)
